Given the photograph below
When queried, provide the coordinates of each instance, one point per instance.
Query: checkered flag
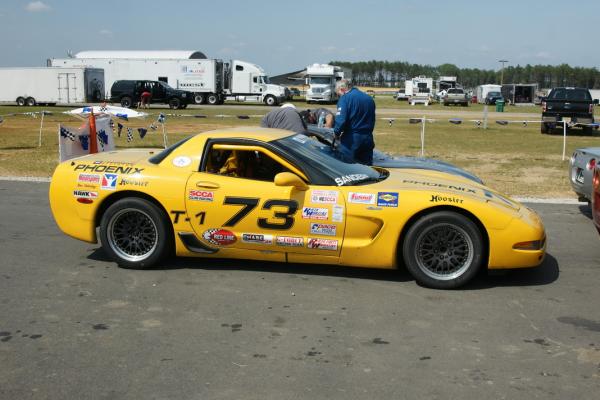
(112, 125)
(129, 134)
(161, 118)
(119, 129)
(153, 127)
(64, 132)
(84, 140)
(103, 138)
(103, 108)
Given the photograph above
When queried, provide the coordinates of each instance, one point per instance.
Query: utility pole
(502, 71)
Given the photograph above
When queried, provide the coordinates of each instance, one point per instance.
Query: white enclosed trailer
(210, 80)
(28, 86)
(483, 90)
(419, 90)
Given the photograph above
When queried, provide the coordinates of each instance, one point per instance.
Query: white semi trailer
(28, 86)
(419, 90)
(321, 79)
(210, 80)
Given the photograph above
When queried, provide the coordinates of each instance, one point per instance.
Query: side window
(255, 79)
(239, 67)
(249, 164)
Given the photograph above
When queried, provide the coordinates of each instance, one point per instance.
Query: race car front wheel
(135, 233)
(443, 250)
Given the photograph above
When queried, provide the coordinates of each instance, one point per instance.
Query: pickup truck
(455, 96)
(568, 104)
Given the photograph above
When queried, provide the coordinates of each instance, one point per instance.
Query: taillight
(543, 106)
(596, 180)
(591, 110)
(591, 164)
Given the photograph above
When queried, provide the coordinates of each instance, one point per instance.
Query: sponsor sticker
(324, 196)
(258, 238)
(436, 199)
(132, 182)
(323, 229)
(338, 214)
(387, 199)
(88, 178)
(86, 194)
(109, 181)
(201, 195)
(315, 213)
(361, 198)
(342, 180)
(182, 161)
(219, 237)
(322, 244)
(115, 169)
(290, 241)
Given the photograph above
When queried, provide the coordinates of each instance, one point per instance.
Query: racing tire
(199, 98)
(544, 128)
(135, 233)
(174, 103)
(30, 101)
(212, 99)
(270, 100)
(126, 102)
(20, 101)
(443, 250)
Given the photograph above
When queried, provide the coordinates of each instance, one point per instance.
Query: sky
(283, 36)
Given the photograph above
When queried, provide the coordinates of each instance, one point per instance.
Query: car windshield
(325, 165)
(320, 80)
(163, 84)
(570, 94)
(455, 91)
(494, 94)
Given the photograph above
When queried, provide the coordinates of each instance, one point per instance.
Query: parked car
(596, 198)
(455, 96)
(401, 95)
(128, 93)
(581, 168)
(492, 97)
(568, 104)
(274, 195)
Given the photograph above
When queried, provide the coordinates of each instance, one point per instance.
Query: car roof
(245, 132)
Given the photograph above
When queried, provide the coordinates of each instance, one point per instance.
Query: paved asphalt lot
(75, 326)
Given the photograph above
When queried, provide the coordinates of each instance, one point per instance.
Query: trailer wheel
(20, 101)
(212, 99)
(174, 103)
(270, 100)
(30, 101)
(199, 98)
(126, 102)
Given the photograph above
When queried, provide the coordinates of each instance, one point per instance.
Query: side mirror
(290, 179)
(595, 101)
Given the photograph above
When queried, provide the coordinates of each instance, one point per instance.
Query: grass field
(514, 159)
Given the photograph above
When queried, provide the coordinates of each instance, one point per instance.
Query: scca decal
(458, 188)
(108, 168)
(219, 237)
(436, 199)
(201, 195)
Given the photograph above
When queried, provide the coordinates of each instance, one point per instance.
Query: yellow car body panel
(354, 225)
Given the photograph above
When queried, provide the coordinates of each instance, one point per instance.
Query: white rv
(45, 85)
(418, 90)
(483, 90)
(321, 79)
(210, 80)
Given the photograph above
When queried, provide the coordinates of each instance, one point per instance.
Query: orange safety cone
(93, 140)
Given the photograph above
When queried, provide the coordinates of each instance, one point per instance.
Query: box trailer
(209, 80)
(520, 93)
(483, 90)
(29, 86)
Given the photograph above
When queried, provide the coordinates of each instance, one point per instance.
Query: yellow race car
(266, 194)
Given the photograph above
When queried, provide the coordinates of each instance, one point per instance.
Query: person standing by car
(322, 117)
(284, 117)
(145, 98)
(355, 121)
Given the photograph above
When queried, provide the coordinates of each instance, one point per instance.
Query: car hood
(131, 156)
(381, 159)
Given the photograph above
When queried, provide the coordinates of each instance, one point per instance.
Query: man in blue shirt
(355, 121)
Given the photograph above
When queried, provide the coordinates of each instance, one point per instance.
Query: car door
(235, 204)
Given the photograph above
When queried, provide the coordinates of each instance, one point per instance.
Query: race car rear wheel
(135, 233)
(443, 250)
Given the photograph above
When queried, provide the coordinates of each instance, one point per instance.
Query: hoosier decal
(219, 237)
(361, 198)
(290, 241)
(201, 195)
(132, 182)
(86, 194)
(387, 199)
(315, 213)
(322, 244)
(323, 229)
(435, 199)
(257, 238)
(324, 196)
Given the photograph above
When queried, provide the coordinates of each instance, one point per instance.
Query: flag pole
(41, 126)
(93, 139)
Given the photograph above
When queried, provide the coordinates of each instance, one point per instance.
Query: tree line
(394, 73)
